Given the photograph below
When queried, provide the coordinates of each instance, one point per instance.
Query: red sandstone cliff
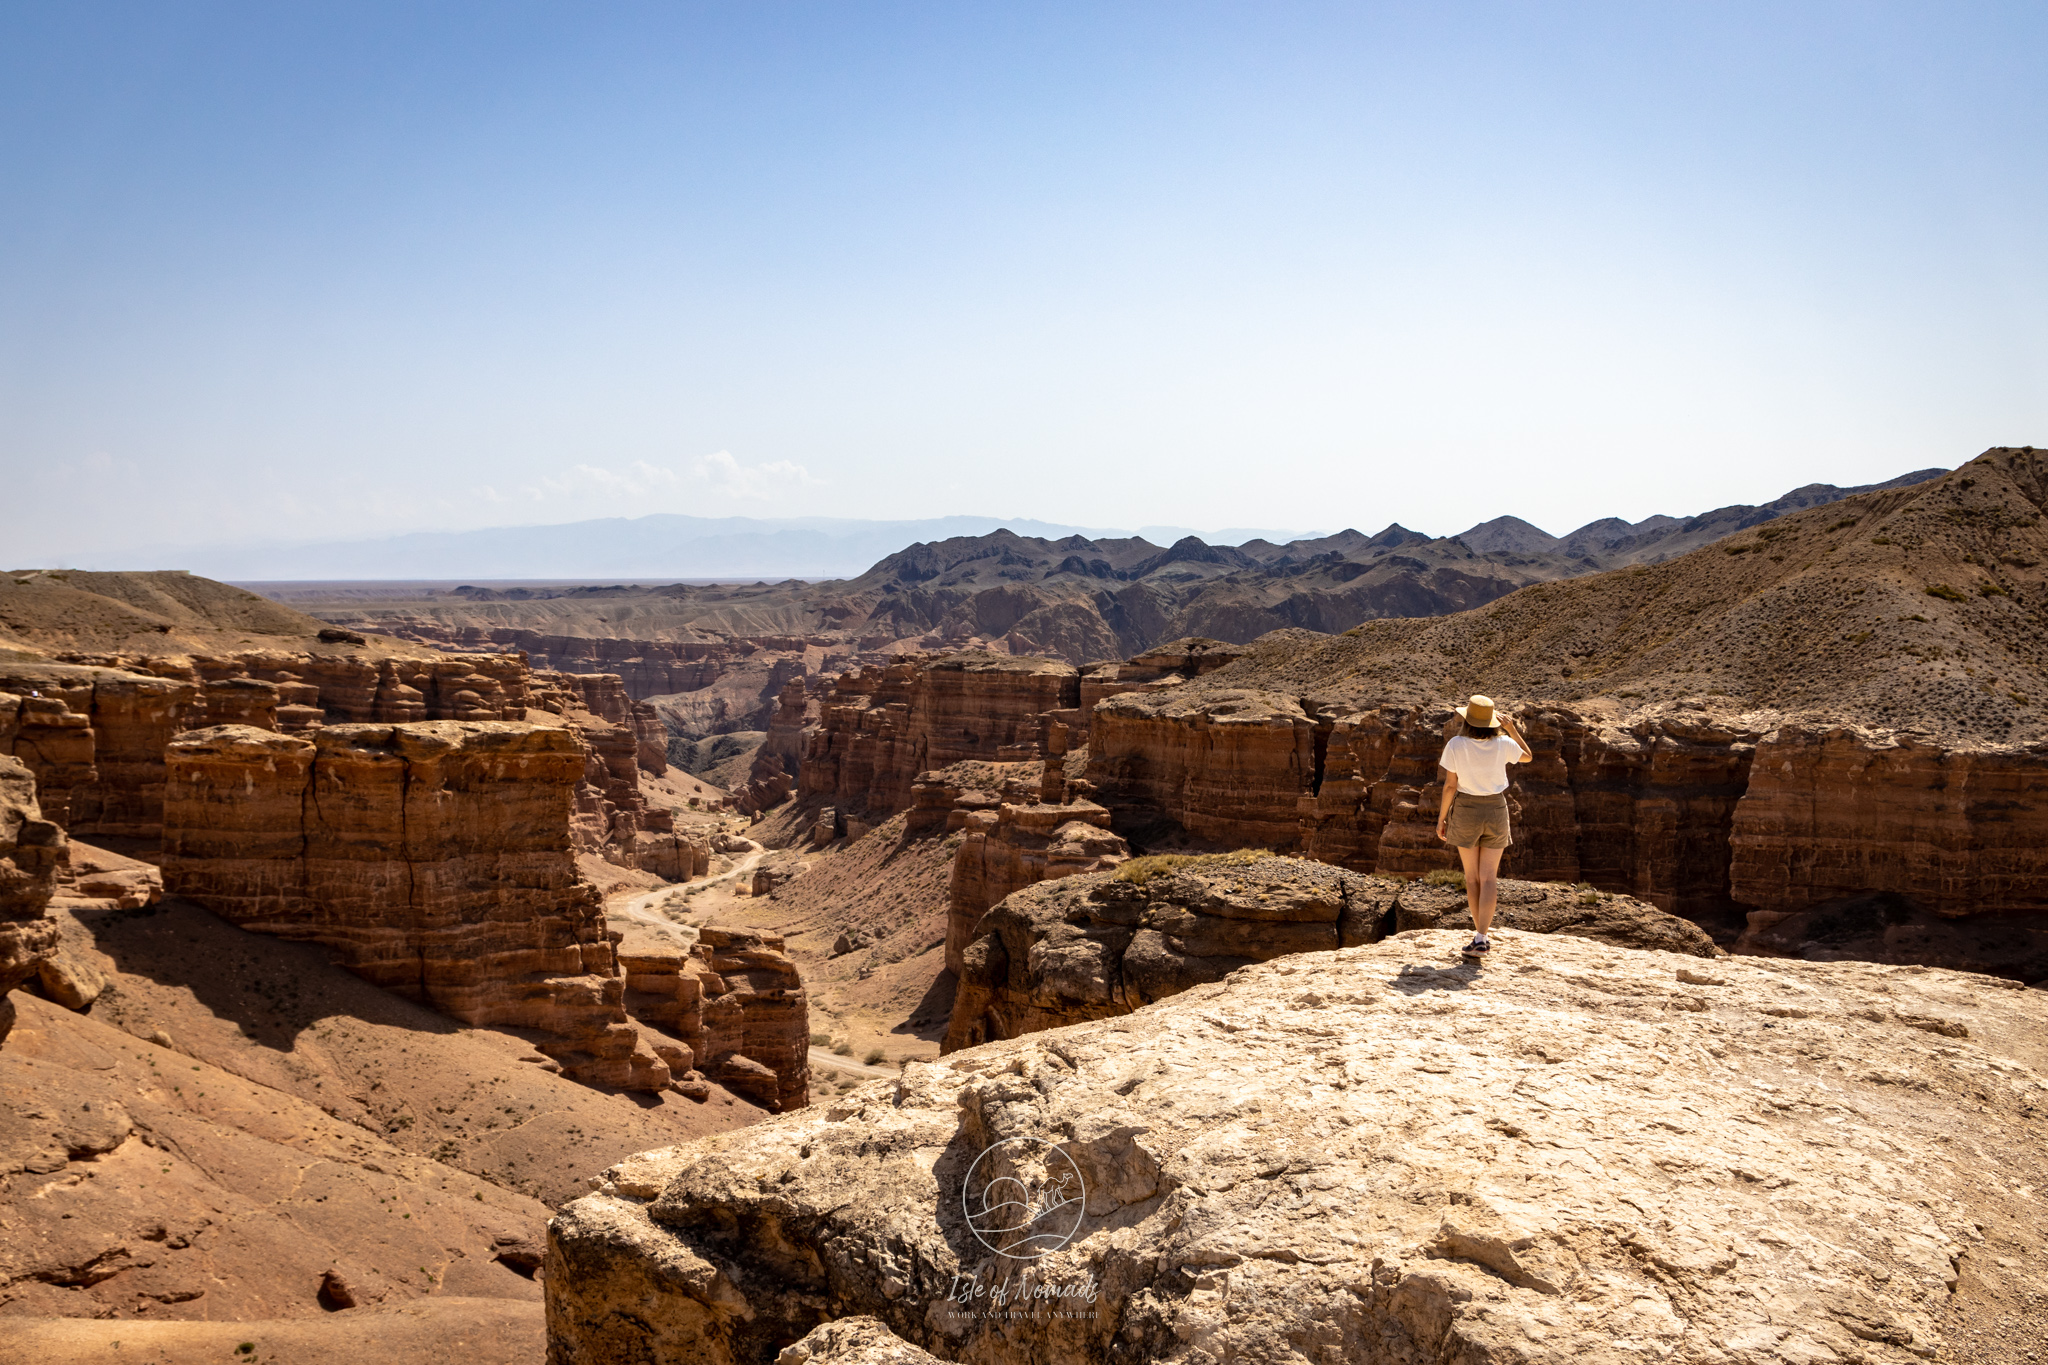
(434, 855)
(881, 727)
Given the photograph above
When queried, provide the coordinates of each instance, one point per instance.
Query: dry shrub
(1142, 870)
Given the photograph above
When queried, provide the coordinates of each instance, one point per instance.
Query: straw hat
(1478, 712)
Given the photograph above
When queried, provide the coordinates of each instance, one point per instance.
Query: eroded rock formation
(773, 777)
(434, 855)
(97, 731)
(1356, 1156)
(54, 742)
(31, 850)
(1014, 846)
(737, 1003)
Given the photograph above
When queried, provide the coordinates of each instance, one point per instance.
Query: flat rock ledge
(1577, 1153)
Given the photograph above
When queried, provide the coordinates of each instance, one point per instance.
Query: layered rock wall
(605, 695)
(435, 856)
(1642, 807)
(1834, 812)
(1698, 812)
(881, 727)
(777, 763)
(31, 853)
(110, 781)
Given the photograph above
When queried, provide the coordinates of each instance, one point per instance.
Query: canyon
(1016, 843)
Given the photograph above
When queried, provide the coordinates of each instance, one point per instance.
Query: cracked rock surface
(1377, 1154)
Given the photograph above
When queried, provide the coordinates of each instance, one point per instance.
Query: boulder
(70, 981)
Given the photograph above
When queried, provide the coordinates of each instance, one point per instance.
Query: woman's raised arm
(1514, 732)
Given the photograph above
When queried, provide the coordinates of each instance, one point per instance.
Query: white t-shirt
(1481, 764)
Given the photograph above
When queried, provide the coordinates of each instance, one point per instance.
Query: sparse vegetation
(1861, 637)
(875, 1057)
(1946, 593)
(821, 1040)
(1444, 876)
(1142, 870)
(842, 1049)
(1991, 590)
(1843, 524)
(1737, 549)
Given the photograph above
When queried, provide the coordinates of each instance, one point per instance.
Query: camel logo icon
(1024, 1198)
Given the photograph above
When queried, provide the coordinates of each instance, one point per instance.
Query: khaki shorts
(1478, 822)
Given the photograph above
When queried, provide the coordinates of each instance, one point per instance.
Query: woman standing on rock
(1474, 815)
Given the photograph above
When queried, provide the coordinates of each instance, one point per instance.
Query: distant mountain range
(660, 547)
(1080, 597)
(667, 548)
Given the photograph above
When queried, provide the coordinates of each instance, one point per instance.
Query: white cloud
(587, 487)
(761, 481)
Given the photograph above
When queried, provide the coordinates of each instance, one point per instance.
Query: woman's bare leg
(1482, 892)
(1470, 857)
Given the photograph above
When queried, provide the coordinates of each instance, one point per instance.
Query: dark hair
(1481, 731)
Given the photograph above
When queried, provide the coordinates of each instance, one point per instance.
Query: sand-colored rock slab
(854, 1341)
(471, 1331)
(1381, 1155)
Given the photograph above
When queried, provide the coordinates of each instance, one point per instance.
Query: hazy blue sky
(325, 270)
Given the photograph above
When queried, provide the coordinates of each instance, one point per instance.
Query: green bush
(1142, 870)
(1946, 593)
(1991, 590)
